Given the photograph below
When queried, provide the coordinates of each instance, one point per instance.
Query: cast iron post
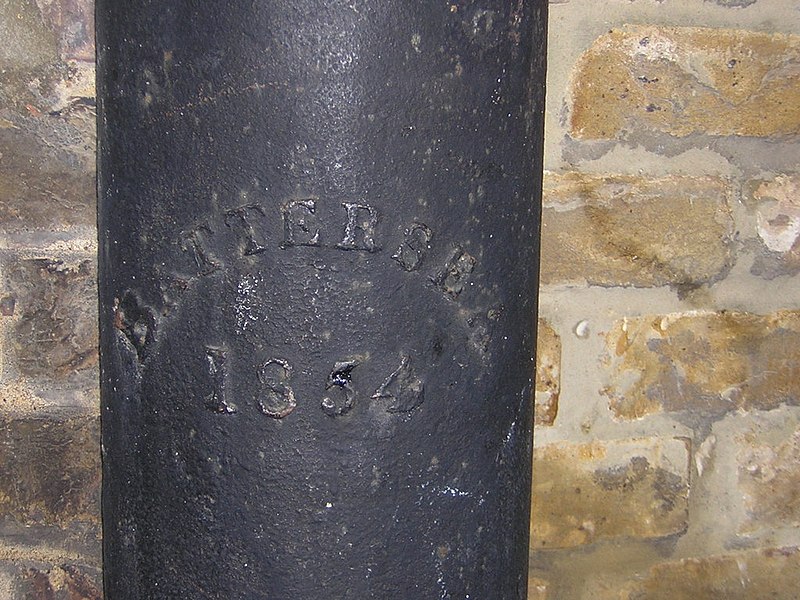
(319, 225)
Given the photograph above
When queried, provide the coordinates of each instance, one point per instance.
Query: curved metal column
(318, 261)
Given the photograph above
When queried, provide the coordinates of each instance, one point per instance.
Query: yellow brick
(707, 363)
(772, 573)
(683, 81)
(548, 374)
(769, 479)
(630, 488)
(635, 231)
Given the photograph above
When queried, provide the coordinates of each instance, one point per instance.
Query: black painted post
(318, 260)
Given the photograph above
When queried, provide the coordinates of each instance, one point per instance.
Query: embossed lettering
(340, 377)
(193, 241)
(359, 233)
(403, 388)
(278, 401)
(414, 247)
(300, 223)
(136, 321)
(172, 288)
(452, 278)
(242, 216)
(216, 401)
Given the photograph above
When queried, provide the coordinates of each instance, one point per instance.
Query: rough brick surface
(776, 204)
(682, 81)
(706, 363)
(73, 23)
(36, 33)
(637, 231)
(29, 580)
(50, 469)
(27, 43)
(45, 184)
(769, 479)
(46, 60)
(548, 374)
(537, 589)
(586, 492)
(50, 309)
(770, 573)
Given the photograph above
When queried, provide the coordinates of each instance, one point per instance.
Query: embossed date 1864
(401, 392)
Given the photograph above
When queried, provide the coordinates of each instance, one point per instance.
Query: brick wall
(667, 454)
(49, 429)
(667, 446)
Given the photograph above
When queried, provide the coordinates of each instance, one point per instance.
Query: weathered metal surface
(318, 241)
